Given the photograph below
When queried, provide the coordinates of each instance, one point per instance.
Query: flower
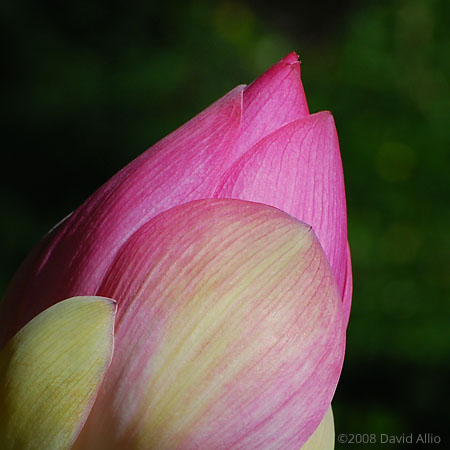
(231, 313)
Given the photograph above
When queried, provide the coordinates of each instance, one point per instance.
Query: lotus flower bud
(225, 249)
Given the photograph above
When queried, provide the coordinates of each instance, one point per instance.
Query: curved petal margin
(323, 437)
(73, 258)
(50, 373)
(298, 169)
(348, 288)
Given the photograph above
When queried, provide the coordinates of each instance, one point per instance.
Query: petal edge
(50, 373)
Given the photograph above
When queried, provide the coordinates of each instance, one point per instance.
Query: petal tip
(291, 58)
(109, 301)
(324, 115)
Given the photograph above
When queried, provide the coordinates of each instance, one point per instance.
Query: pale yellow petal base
(323, 437)
(50, 372)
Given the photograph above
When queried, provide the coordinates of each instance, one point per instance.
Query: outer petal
(323, 437)
(298, 169)
(271, 101)
(229, 334)
(74, 257)
(50, 373)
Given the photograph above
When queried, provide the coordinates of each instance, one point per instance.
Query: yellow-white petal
(323, 437)
(50, 373)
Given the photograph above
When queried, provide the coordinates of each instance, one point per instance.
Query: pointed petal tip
(326, 120)
(271, 101)
(109, 301)
(291, 58)
(112, 304)
(324, 115)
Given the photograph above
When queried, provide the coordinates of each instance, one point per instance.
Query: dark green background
(87, 86)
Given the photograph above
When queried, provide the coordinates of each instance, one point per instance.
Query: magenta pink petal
(298, 169)
(348, 288)
(243, 131)
(229, 333)
(73, 258)
(271, 101)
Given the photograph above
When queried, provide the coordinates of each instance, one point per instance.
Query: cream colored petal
(323, 437)
(50, 373)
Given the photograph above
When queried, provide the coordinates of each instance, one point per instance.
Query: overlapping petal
(273, 100)
(323, 437)
(231, 321)
(229, 334)
(73, 258)
(50, 373)
(215, 148)
(298, 169)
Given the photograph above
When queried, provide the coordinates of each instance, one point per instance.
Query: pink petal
(298, 169)
(186, 165)
(271, 101)
(74, 257)
(229, 333)
(348, 288)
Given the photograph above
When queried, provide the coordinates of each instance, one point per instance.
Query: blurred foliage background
(87, 86)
